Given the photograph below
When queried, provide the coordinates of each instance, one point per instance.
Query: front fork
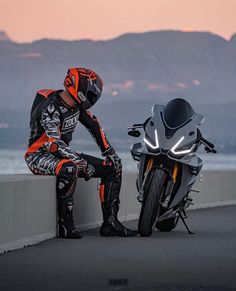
(170, 185)
(174, 173)
(140, 197)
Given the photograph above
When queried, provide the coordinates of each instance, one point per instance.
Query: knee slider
(68, 169)
(66, 180)
(112, 175)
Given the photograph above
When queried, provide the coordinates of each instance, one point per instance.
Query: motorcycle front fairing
(172, 144)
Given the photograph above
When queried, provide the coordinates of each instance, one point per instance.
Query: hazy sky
(27, 20)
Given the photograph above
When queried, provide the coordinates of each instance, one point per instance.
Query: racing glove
(85, 169)
(112, 157)
(89, 172)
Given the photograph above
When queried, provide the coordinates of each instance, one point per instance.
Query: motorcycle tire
(151, 202)
(167, 224)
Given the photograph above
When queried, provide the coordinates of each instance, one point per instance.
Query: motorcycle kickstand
(190, 232)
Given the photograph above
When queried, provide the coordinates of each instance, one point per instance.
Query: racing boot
(66, 225)
(111, 225)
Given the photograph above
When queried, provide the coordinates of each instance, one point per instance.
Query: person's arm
(95, 129)
(92, 124)
(50, 121)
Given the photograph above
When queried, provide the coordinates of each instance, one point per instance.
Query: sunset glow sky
(28, 20)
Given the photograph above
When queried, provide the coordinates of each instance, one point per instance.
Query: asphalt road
(205, 261)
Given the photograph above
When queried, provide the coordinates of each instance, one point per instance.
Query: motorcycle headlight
(155, 145)
(181, 151)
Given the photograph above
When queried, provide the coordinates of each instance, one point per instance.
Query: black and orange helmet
(84, 86)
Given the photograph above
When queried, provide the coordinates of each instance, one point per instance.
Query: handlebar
(207, 143)
(210, 147)
(210, 150)
(136, 125)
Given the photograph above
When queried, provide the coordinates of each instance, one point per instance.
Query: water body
(12, 161)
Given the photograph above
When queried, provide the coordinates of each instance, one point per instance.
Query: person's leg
(109, 196)
(66, 172)
(43, 163)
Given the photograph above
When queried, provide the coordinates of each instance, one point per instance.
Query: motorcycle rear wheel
(167, 224)
(151, 202)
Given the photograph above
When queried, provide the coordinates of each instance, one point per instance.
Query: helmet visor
(92, 97)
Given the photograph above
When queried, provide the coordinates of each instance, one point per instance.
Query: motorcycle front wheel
(151, 203)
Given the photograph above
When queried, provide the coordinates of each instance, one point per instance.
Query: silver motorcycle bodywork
(160, 140)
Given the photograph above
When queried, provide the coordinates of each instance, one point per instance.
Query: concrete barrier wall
(217, 188)
(27, 210)
(28, 204)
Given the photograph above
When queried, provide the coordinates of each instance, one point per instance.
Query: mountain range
(138, 69)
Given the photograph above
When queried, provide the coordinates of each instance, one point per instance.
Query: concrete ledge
(213, 204)
(28, 204)
(217, 188)
(26, 241)
(27, 210)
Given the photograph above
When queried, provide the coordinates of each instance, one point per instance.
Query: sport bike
(168, 165)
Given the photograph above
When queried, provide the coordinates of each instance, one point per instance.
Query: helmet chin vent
(81, 96)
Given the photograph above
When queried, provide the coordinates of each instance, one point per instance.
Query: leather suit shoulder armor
(45, 92)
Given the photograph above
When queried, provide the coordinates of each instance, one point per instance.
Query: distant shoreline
(13, 161)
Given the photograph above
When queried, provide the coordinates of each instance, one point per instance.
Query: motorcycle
(168, 165)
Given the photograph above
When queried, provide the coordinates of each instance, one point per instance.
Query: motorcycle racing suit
(51, 128)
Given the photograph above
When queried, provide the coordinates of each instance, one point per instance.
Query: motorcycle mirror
(134, 132)
(210, 150)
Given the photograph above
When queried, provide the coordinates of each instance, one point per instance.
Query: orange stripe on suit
(101, 192)
(106, 145)
(39, 142)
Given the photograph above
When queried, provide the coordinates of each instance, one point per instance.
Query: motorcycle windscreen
(177, 112)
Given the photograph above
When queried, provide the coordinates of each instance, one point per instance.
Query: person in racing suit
(54, 116)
